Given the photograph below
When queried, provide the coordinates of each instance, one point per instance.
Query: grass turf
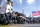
(4, 25)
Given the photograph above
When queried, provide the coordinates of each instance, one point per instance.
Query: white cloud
(30, 1)
(20, 1)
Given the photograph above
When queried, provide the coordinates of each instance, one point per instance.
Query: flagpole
(38, 11)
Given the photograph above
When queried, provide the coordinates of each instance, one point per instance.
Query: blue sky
(28, 5)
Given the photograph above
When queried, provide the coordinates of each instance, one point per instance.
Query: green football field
(4, 25)
(14, 25)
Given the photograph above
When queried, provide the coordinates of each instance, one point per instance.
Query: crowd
(12, 18)
(33, 20)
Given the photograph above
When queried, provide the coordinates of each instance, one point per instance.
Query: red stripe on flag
(39, 12)
(36, 14)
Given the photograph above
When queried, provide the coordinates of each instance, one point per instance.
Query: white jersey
(9, 9)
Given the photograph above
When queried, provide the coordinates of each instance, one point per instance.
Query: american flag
(39, 12)
(35, 13)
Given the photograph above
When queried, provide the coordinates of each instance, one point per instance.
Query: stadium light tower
(23, 10)
(0, 3)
